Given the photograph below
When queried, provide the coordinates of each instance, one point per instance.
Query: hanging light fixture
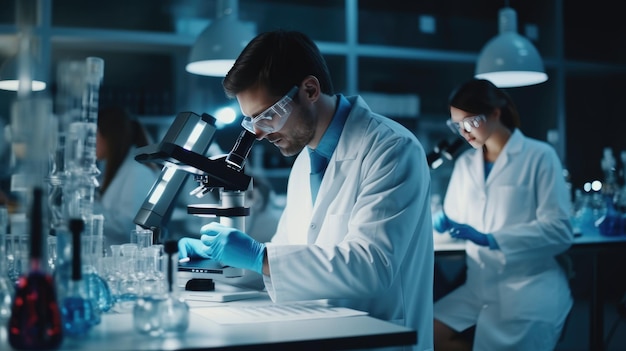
(217, 47)
(10, 74)
(509, 59)
(21, 72)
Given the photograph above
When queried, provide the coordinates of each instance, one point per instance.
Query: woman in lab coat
(508, 198)
(365, 241)
(124, 181)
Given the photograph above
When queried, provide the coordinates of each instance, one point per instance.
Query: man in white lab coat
(364, 240)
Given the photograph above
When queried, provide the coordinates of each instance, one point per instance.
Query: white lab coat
(367, 243)
(525, 204)
(123, 198)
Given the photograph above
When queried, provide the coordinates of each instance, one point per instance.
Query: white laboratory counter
(116, 333)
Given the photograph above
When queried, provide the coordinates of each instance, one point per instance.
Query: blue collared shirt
(330, 139)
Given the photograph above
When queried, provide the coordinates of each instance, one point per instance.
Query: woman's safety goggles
(467, 124)
(274, 118)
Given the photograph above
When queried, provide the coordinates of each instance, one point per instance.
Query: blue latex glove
(192, 248)
(232, 247)
(441, 223)
(464, 231)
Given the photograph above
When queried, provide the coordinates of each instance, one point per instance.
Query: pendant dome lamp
(14, 73)
(219, 45)
(22, 72)
(509, 59)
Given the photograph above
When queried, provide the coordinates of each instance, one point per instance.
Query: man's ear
(495, 114)
(311, 87)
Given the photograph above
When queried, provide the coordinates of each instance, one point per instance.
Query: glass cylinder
(111, 272)
(142, 237)
(163, 314)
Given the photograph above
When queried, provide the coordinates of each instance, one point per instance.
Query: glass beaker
(141, 237)
(163, 313)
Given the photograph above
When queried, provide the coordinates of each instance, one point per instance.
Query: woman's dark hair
(480, 96)
(277, 60)
(121, 131)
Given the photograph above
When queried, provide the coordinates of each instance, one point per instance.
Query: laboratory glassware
(80, 147)
(79, 312)
(35, 321)
(163, 314)
(142, 237)
(93, 254)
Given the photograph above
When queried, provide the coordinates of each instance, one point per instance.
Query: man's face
(297, 131)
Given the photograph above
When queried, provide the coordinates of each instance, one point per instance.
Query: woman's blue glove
(192, 248)
(464, 231)
(441, 223)
(232, 247)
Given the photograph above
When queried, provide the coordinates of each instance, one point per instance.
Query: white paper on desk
(241, 314)
(222, 293)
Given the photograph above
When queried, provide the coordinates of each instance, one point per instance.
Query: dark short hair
(277, 60)
(480, 96)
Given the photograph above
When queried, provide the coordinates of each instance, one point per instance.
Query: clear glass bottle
(92, 256)
(112, 273)
(611, 223)
(587, 213)
(129, 283)
(35, 322)
(163, 314)
(80, 313)
(608, 165)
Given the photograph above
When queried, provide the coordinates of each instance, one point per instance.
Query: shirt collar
(330, 139)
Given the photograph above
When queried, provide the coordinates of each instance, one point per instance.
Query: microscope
(182, 153)
(444, 151)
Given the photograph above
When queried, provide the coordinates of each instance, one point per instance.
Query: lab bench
(116, 333)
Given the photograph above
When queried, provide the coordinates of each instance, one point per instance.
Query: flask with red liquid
(35, 322)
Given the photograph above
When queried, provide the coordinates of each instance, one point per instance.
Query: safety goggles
(274, 118)
(467, 124)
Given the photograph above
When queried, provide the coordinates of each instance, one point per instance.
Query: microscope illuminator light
(194, 135)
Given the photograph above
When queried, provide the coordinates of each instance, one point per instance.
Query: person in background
(124, 182)
(357, 228)
(508, 199)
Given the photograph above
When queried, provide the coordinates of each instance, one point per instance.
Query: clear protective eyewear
(274, 118)
(467, 124)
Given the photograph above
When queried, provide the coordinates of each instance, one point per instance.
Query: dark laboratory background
(411, 53)
(414, 49)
